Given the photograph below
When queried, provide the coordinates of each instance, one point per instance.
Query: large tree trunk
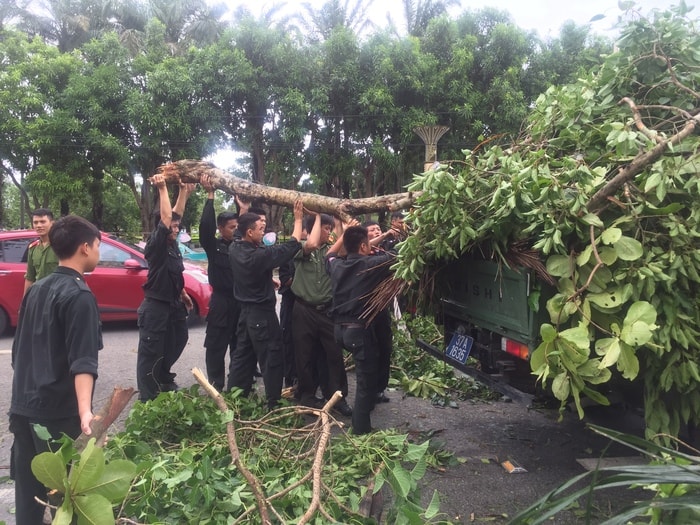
(192, 171)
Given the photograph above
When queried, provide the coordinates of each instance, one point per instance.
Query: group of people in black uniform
(324, 287)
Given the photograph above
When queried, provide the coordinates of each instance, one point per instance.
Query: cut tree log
(345, 209)
(106, 416)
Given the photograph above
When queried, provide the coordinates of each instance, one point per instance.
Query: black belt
(318, 307)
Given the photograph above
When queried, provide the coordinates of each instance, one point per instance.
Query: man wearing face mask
(162, 316)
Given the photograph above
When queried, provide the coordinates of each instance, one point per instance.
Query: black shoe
(169, 387)
(343, 408)
(382, 398)
(311, 402)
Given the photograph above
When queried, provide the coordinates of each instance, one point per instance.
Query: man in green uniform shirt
(41, 259)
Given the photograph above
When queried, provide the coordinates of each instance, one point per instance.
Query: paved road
(481, 434)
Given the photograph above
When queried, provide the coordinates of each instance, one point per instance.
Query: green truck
(492, 313)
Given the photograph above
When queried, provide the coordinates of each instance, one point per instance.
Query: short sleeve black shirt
(165, 266)
(57, 337)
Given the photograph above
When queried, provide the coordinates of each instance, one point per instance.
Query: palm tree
(60, 22)
(419, 13)
(320, 23)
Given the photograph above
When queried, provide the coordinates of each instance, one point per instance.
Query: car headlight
(198, 276)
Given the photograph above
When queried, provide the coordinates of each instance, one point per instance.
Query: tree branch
(638, 164)
(192, 171)
(253, 482)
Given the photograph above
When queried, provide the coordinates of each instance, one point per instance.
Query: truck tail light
(519, 350)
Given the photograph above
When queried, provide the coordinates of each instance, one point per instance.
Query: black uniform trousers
(286, 308)
(163, 335)
(222, 324)
(319, 357)
(362, 343)
(27, 445)
(385, 343)
(259, 341)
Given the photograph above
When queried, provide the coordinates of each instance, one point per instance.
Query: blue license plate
(459, 348)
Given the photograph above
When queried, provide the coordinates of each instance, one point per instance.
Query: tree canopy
(96, 95)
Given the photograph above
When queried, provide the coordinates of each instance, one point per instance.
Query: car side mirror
(132, 264)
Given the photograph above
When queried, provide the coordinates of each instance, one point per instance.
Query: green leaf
(638, 326)
(559, 266)
(537, 358)
(93, 509)
(555, 307)
(591, 219)
(607, 254)
(561, 387)
(641, 311)
(416, 452)
(628, 363)
(611, 235)
(611, 299)
(433, 506)
(400, 480)
(64, 513)
(419, 469)
(584, 256)
(628, 249)
(50, 470)
(548, 333)
(578, 336)
(88, 468)
(612, 353)
(115, 480)
(42, 432)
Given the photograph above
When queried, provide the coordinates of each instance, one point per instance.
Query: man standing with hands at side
(224, 310)
(259, 334)
(162, 316)
(41, 259)
(54, 358)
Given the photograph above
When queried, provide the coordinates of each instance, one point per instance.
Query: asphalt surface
(481, 434)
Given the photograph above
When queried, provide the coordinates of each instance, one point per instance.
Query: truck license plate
(459, 348)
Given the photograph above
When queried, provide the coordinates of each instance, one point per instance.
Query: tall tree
(418, 14)
(319, 24)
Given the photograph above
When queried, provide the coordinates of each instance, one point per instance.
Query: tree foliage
(109, 90)
(604, 185)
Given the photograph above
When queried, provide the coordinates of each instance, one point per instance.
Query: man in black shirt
(354, 277)
(54, 358)
(224, 310)
(162, 316)
(259, 334)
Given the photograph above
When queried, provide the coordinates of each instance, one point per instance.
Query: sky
(543, 16)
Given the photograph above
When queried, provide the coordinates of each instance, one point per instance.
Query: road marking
(5, 352)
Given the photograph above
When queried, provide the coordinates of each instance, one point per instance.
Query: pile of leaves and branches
(421, 375)
(604, 187)
(226, 459)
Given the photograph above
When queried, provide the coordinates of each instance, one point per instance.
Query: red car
(116, 282)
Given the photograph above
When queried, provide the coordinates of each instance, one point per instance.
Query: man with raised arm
(162, 316)
(224, 310)
(259, 334)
